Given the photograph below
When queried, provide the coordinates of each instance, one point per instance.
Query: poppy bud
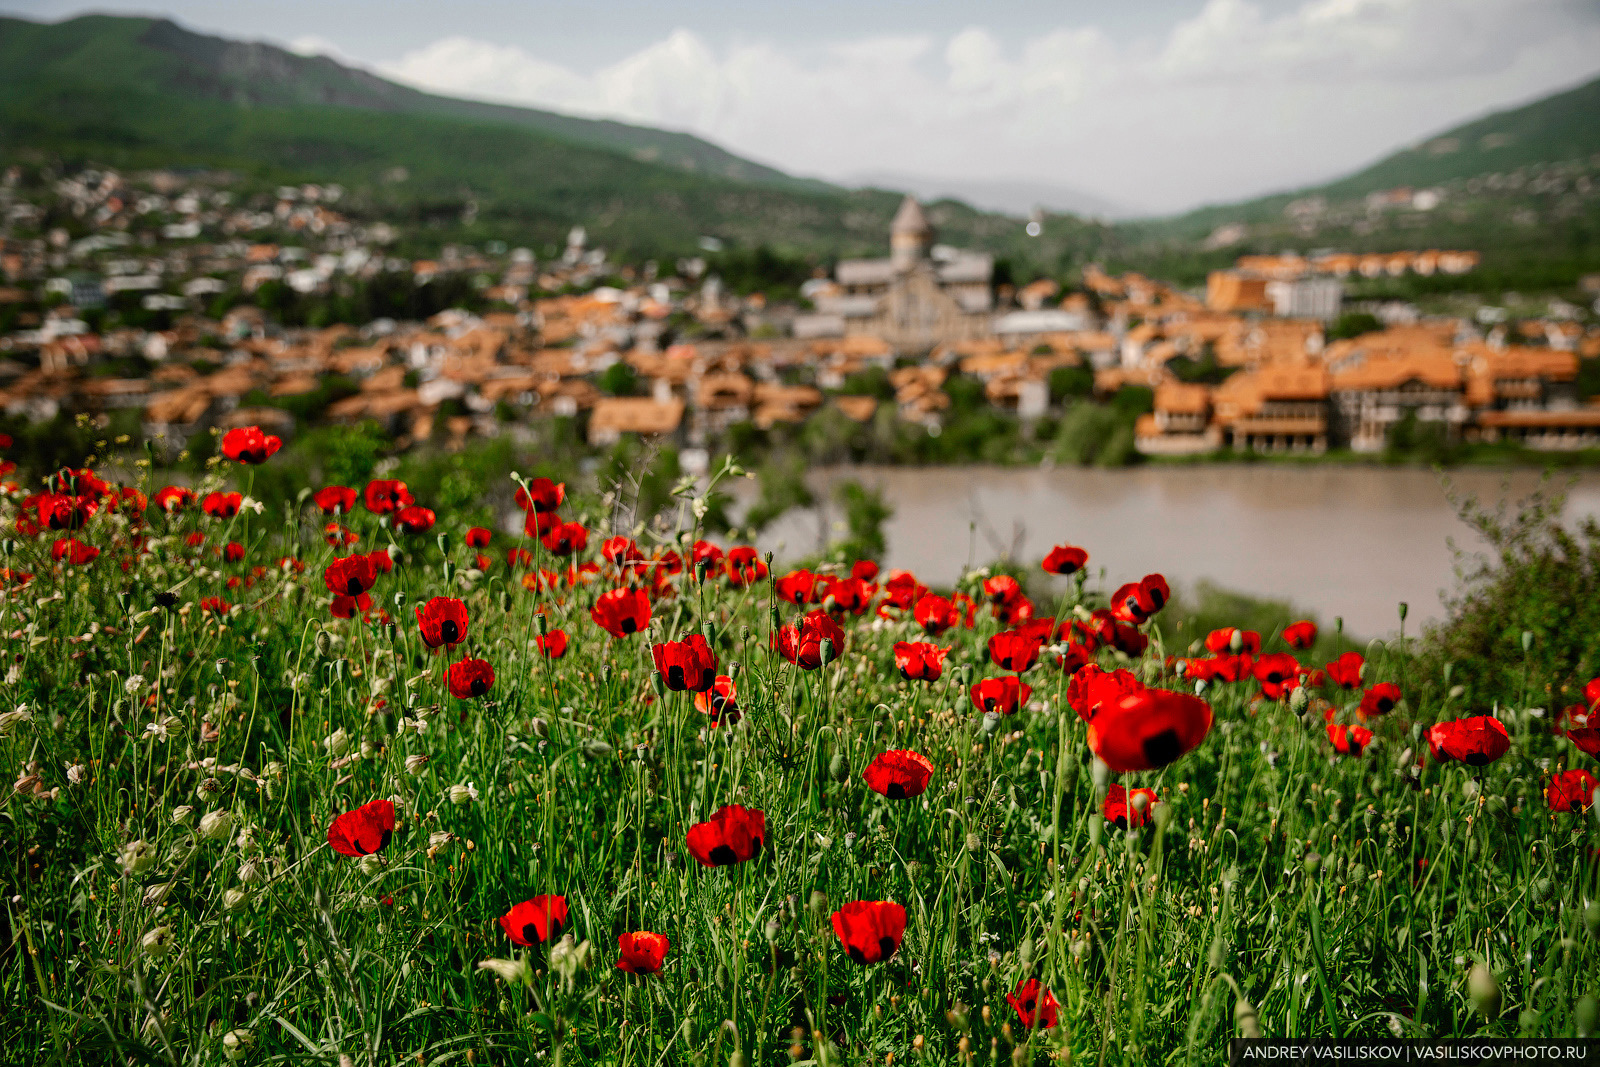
(839, 767)
(1025, 951)
(1591, 919)
(595, 748)
(505, 601)
(324, 642)
(711, 633)
(543, 622)
(1236, 642)
(1216, 955)
(1586, 1014)
(444, 543)
(772, 613)
(1299, 700)
(658, 683)
(1404, 607)
(964, 674)
(991, 723)
(541, 728)
(1483, 990)
(1338, 624)
(817, 902)
(1096, 824)
(974, 842)
(826, 651)
(957, 1016)
(1311, 864)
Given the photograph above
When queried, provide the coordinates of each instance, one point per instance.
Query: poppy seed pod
(595, 748)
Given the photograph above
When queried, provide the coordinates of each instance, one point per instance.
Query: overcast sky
(1154, 104)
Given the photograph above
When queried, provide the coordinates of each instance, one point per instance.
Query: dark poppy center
(1477, 759)
(886, 947)
(1385, 705)
(450, 631)
(675, 679)
(479, 687)
(530, 933)
(353, 587)
(722, 856)
(896, 791)
(1162, 748)
(1354, 746)
(857, 955)
(628, 625)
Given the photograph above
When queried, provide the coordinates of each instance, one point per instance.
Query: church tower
(910, 235)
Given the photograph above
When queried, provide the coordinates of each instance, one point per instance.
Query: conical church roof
(910, 219)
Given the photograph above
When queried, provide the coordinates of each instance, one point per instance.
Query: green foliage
(873, 382)
(865, 512)
(619, 379)
(1204, 371)
(1537, 576)
(1071, 382)
(1354, 324)
(1082, 433)
(783, 486)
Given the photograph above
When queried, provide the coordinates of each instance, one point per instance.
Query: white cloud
(1229, 102)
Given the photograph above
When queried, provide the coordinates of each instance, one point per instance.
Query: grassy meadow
(196, 691)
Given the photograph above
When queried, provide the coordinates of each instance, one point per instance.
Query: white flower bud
(235, 899)
(215, 825)
(462, 795)
(416, 764)
(182, 814)
(236, 1043)
(336, 742)
(371, 865)
(158, 942)
(137, 857)
(509, 971)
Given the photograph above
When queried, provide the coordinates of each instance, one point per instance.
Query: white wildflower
(462, 795)
(137, 856)
(158, 942)
(216, 825)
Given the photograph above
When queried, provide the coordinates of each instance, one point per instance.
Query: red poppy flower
(58, 511)
(385, 495)
(363, 831)
(443, 621)
(348, 607)
(1349, 740)
(73, 552)
(350, 576)
(620, 612)
(414, 519)
(1476, 741)
(848, 595)
(721, 701)
(222, 505)
(541, 495)
(215, 605)
(1220, 641)
(339, 536)
(1014, 611)
(1122, 810)
(1591, 693)
(733, 834)
(1345, 672)
(537, 920)
(1570, 791)
(382, 561)
(1278, 673)
(744, 567)
(539, 523)
(902, 590)
(1035, 1005)
(686, 665)
(1233, 668)
(1074, 657)
(898, 775)
(797, 587)
(1135, 602)
(1379, 700)
(870, 930)
(641, 952)
(1586, 738)
(1012, 651)
(864, 569)
(173, 498)
(1064, 559)
(801, 644)
(1301, 635)
(132, 501)
(195, 539)
(1002, 695)
(1148, 729)
(565, 538)
(919, 661)
(553, 644)
(334, 499)
(469, 678)
(1001, 587)
(232, 552)
(248, 444)
(1092, 688)
(935, 614)
(79, 481)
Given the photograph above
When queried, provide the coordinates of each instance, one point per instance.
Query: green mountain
(144, 93)
(1522, 186)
